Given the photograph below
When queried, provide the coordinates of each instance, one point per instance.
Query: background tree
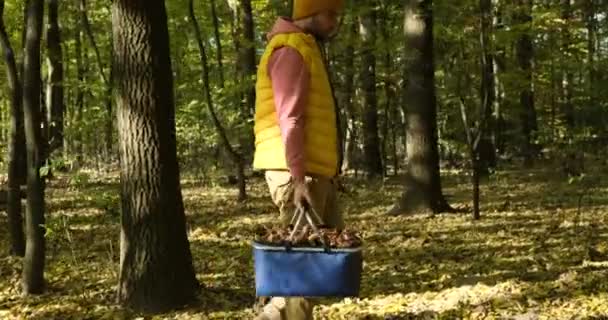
(33, 262)
(16, 142)
(423, 183)
(54, 91)
(371, 142)
(236, 158)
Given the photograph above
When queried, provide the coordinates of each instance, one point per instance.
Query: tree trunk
(423, 182)
(499, 62)
(350, 145)
(248, 55)
(371, 141)
(16, 143)
(388, 92)
(248, 64)
(54, 100)
(487, 149)
(567, 76)
(525, 56)
(218, 42)
(235, 157)
(33, 263)
(78, 139)
(156, 272)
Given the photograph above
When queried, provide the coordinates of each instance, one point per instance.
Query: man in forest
(296, 126)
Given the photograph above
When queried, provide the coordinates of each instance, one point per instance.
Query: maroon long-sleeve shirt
(290, 79)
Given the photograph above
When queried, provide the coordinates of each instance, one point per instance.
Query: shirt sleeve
(290, 85)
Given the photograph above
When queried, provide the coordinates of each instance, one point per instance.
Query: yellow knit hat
(307, 8)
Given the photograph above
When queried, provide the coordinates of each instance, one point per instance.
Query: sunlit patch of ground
(539, 252)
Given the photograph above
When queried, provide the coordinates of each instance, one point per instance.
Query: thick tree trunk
(423, 182)
(54, 100)
(156, 272)
(16, 144)
(33, 263)
(371, 141)
(235, 157)
(525, 56)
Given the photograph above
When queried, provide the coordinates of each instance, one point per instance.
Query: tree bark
(33, 263)
(16, 143)
(525, 56)
(371, 141)
(156, 271)
(235, 157)
(54, 100)
(423, 182)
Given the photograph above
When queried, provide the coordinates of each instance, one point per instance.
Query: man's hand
(301, 194)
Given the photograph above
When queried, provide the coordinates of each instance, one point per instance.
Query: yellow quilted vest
(320, 119)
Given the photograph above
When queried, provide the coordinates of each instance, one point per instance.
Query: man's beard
(320, 35)
(323, 36)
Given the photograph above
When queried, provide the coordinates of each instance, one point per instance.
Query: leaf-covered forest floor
(532, 256)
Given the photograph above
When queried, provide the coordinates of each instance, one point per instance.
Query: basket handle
(305, 215)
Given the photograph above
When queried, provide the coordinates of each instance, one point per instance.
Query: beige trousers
(324, 201)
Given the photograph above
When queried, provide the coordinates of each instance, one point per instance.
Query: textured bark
(371, 141)
(16, 144)
(235, 157)
(54, 99)
(156, 272)
(33, 263)
(423, 182)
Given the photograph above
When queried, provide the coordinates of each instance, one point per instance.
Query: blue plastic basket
(307, 272)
